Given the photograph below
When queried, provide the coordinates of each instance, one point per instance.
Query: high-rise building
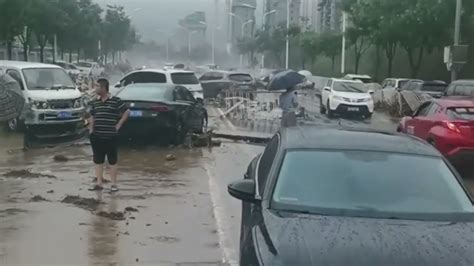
(242, 17)
(330, 15)
(310, 15)
(280, 16)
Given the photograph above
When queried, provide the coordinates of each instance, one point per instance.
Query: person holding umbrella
(288, 104)
(287, 80)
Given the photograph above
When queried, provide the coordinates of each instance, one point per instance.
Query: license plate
(136, 113)
(64, 115)
(353, 109)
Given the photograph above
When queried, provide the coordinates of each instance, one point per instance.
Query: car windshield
(84, 64)
(402, 83)
(184, 79)
(240, 77)
(461, 113)
(350, 87)
(369, 184)
(434, 87)
(146, 93)
(47, 78)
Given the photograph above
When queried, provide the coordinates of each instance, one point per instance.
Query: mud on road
(163, 214)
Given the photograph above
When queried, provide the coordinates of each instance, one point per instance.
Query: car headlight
(78, 103)
(40, 105)
(366, 100)
(338, 98)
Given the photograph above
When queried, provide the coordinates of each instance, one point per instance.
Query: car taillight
(452, 126)
(160, 108)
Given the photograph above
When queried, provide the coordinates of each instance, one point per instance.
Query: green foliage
(78, 25)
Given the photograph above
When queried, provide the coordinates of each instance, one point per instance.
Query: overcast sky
(151, 16)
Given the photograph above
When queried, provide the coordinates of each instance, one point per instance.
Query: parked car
(356, 198)
(363, 78)
(394, 83)
(170, 76)
(53, 105)
(90, 68)
(158, 109)
(214, 82)
(434, 88)
(346, 97)
(461, 88)
(448, 124)
(70, 69)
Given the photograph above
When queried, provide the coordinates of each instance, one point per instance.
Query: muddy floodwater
(163, 213)
(172, 207)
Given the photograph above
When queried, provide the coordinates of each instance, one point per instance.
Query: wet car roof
(354, 139)
(25, 65)
(456, 101)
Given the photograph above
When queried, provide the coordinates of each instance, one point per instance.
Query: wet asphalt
(179, 212)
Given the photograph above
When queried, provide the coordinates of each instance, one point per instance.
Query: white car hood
(351, 95)
(63, 94)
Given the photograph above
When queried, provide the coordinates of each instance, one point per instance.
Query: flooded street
(168, 212)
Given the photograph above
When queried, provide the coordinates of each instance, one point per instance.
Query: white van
(53, 105)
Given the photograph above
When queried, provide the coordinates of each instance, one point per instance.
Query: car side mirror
(199, 101)
(117, 85)
(243, 190)
(327, 89)
(371, 92)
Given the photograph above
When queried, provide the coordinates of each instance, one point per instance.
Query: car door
(195, 109)
(183, 107)
(259, 170)
(422, 120)
(326, 91)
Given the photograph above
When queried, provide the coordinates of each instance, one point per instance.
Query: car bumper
(52, 131)
(54, 117)
(148, 127)
(342, 107)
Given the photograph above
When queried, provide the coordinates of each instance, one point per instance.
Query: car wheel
(14, 125)
(178, 134)
(329, 111)
(203, 128)
(369, 115)
(322, 109)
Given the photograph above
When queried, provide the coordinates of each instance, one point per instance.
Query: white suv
(168, 76)
(346, 96)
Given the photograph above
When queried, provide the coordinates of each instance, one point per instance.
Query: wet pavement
(173, 212)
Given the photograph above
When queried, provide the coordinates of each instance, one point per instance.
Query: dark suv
(461, 88)
(434, 88)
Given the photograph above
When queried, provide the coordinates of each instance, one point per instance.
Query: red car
(448, 124)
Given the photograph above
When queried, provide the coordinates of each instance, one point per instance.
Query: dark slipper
(96, 188)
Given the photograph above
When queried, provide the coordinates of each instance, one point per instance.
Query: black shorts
(102, 147)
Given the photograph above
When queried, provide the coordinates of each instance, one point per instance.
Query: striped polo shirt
(106, 116)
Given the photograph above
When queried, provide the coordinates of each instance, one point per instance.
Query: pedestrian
(288, 103)
(108, 114)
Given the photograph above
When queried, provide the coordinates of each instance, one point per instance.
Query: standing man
(289, 103)
(108, 114)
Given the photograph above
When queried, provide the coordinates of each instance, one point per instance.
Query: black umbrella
(11, 100)
(285, 80)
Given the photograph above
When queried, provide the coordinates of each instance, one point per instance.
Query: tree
(117, 30)
(311, 46)
(427, 23)
(359, 33)
(247, 46)
(12, 21)
(330, 45)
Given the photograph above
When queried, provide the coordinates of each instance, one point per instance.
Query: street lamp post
(242, 34)
(457, 35)
(190, 33)
(263, 26)
(343, 52)
(167, 33)
(287, 59)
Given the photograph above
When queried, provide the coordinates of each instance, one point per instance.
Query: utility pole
(287, 59)
(343, 52)
(457, 35)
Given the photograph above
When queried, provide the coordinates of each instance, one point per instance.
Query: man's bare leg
(99, 173)
(113, 174)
